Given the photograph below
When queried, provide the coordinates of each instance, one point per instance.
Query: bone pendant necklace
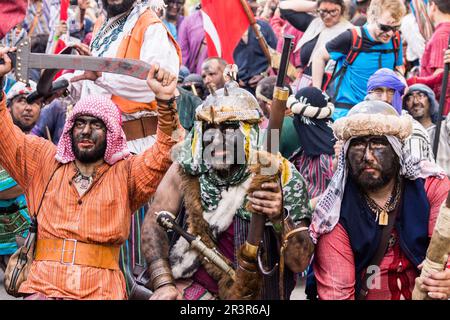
(382, 213)
(383, 218)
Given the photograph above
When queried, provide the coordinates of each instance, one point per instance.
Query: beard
(418, 113)
(115, 9)
(367, 182)
(88, 156)
(24, 127)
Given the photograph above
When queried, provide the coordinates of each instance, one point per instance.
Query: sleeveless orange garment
(130, 48)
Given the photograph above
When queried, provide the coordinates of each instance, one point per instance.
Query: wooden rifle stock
(248, 279)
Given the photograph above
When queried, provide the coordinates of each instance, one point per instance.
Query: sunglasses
(387, 28)
(332, 13)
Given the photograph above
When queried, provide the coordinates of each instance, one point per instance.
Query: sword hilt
(167, 220)
(12, 56)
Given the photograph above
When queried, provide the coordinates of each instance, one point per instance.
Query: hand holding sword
(23, 59)
(7, 66)
(166, 220)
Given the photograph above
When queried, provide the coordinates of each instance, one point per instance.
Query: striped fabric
(130, 253)
(14, 222)
(102, 215)
(316, 171)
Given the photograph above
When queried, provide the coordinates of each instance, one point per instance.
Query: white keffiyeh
(327, 212)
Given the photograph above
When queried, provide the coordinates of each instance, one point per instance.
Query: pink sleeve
(277, 25)
(437, 52)
(437, 191)
(334, 266)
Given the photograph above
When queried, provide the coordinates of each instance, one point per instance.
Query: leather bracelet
(157, 267)
(162, 280)
(168, 102)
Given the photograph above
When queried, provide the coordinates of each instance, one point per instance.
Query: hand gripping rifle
(167, 220)
(248, 277)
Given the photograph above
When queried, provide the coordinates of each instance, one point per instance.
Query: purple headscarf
(389, 79)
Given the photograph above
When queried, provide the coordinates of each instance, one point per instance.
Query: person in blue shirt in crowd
(377, 50)
(250, 58)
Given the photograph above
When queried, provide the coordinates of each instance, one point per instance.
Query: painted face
(223, 145)
(174, 8)
(116, 7)
(386, 26)
(25, 115)
(372, 162)
(88, 139)
(212, 74)
(330, 13)
(383, 94)
(418, 105)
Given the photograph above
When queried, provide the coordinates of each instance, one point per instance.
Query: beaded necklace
(116, 27)
(382, 212)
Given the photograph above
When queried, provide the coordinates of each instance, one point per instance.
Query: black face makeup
(372, 162)
(116, 7)
(223, 145)
(88, 139)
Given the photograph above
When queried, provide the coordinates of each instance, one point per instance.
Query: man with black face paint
(130, 30)
(374, 222)
(83, 192)
(208, 184)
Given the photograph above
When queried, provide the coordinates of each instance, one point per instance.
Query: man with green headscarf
(207, 187)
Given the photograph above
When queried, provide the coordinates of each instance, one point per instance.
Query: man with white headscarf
(377, 215)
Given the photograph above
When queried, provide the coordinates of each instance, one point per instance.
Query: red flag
(225, 22)
(61, 44)
(11, 14)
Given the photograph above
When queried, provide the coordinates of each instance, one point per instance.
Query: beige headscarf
(326, 34)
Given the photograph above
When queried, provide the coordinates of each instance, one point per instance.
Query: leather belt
(71, 251)
(140, 128)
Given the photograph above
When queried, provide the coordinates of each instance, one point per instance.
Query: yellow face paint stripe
(285, 172)
(246, 128)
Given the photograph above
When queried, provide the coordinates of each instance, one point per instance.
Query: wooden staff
(259, 36)
(438, 250)
(444, 89)
(248, 278)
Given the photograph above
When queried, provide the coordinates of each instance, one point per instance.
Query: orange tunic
(102, 215)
